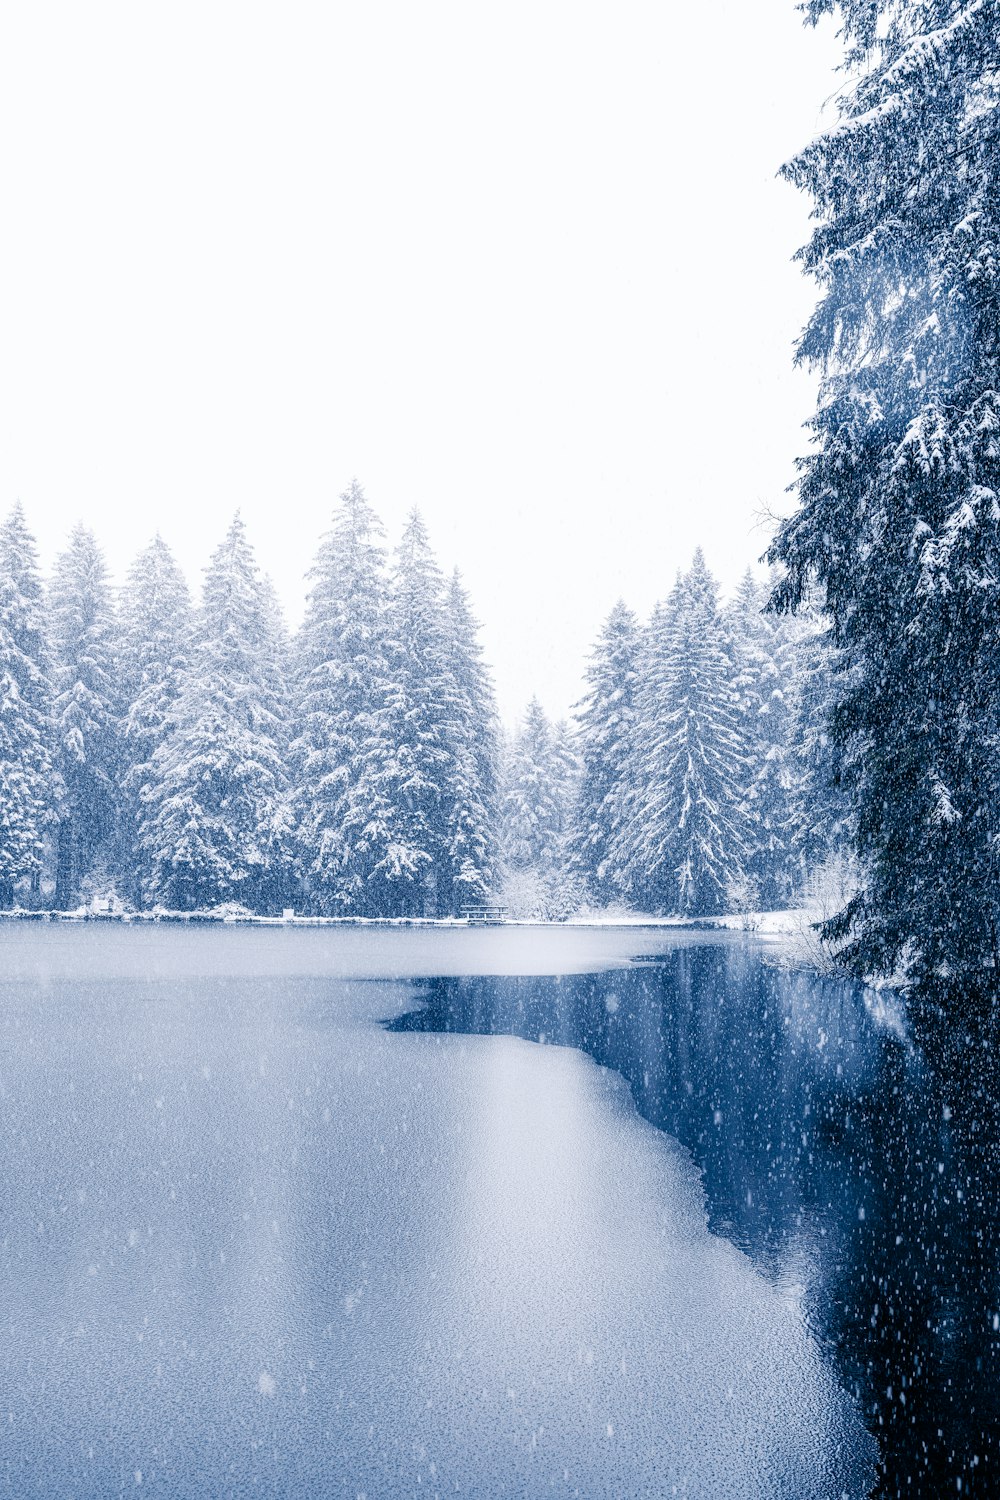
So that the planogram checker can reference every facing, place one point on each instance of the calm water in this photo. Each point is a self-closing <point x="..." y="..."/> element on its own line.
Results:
<point x="858" y="1187"/>
<point x="277" y="1219"/>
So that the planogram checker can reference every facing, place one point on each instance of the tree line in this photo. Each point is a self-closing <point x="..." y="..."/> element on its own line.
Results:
<point x="190" y="757"/>
<point x="168" y="755"/>
<point x="698" y="776"/>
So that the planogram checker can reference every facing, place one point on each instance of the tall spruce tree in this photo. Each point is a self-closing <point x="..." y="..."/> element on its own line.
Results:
<point x="468" y="867"/>
<point x="762" y="648"/>
<point x="216" y="804"/>
<point x="899" y="517"/>
<point x="683" y="839"/>
<point x="340" y="676"/>
<point x="399" y="812"/>
<point x="539" y="788"/>
<point x="87" y="712"/>
<point x="819" y="810"/>
<point x="154" y="636"/>
<point x="606" y="723"/>
<point x="28" y="786"/>
<point x="536" y="801"/>
<point x="566" y="774"/>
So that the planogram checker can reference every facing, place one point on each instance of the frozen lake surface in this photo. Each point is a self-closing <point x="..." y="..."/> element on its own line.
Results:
<point x="254" y="1240"/>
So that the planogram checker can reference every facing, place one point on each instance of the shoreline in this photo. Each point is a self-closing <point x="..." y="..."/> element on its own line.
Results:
<point x="250" y="919"/>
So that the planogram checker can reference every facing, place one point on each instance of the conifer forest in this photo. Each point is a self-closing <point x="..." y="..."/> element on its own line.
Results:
<point x="408" y="1090"/>
<point x="164" y="752"/>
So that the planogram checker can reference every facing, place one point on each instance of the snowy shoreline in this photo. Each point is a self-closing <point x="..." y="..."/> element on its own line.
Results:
<point x="767" y="924"/>
<point x="434" y="923"/>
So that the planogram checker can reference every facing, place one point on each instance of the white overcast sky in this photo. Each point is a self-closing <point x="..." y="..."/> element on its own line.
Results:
<point x="525" y="265"/>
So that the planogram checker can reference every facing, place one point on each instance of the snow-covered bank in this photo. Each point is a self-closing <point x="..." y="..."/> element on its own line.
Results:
<point x="769" y="924"/>
<point x="765" y="924"/>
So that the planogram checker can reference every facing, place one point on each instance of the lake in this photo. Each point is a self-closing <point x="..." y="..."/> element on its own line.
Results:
<point x="368" y="1212"/>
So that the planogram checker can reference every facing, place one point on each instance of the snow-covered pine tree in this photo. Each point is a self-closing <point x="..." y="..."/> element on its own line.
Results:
<point x="339" y="681"/>
<point x="28" y="787"/>
<point x="762" y="647"/>
<point x="539" y="791"/>
<point x="683" y="840"/>
<point x="899" y="517"/>
<point x="819" y="812"/>
<point x="534" y="811"/>
<point x="216" y="806"/>
<point x="624" y="872"/>
<point x="154" y="640"/>
<point x="606" y="720"/>
<point x="399" y="813"/>
<point x="87" y="711"/>
<point x="468" y="866"/>
<point x="568" y="886"/>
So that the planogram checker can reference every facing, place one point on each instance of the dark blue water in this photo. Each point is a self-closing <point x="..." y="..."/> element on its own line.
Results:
<point x="854" y="1180"/>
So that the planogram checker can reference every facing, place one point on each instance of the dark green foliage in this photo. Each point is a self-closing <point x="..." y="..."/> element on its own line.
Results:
<point x="900" y="518"/>
<point x="819" y="812"/>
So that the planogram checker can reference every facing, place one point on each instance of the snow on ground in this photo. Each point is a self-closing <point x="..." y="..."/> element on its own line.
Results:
<point x="768" y="923"/>
<point x="765" y="923"/>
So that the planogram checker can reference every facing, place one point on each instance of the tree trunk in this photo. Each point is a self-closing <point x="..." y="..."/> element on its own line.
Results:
<point x="6" y="893"/>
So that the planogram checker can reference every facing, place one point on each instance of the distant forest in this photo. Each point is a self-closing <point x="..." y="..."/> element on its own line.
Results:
<point x="155" y="753"/>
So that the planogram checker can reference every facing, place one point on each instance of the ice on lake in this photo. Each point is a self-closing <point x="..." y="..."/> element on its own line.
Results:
<point x="254" y="1242"/>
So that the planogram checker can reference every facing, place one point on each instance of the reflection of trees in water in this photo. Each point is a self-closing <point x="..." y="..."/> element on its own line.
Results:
<point x="848" y="1176"/>
<point x="911" y="1298"/>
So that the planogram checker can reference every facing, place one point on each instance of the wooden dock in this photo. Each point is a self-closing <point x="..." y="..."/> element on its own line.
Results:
<point x="487" y="915"/>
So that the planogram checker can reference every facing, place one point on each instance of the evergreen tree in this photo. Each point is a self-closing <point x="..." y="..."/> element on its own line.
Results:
<point x="469" y="857"/>
<point x="762" y="647"/>
<point x="215" y="807"/>
<point x="28" y="788"/>
<point x="537" y="798"/>
<point x="606" y="724"/>
<point x="154" y="637"/>
<point x="899" y="518"/>
<point x="87" y="711"/>
<point x="683" y="839"/>
<point x="399" y="814"/>
<point x="340" y="676"/>
<point x="819" y="813"/>
<point x="566" y="777"/>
